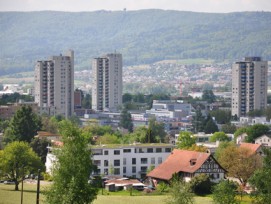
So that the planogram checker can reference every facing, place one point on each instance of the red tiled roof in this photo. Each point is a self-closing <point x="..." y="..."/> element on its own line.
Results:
<point x="46" y="134"/>
<point x="179" y="161"/>
<point x="252" y="147"/>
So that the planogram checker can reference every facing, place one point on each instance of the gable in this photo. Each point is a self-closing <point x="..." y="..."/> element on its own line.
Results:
<point x="211" y="166"/>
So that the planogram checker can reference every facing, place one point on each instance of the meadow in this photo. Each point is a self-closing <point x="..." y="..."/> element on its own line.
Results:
<point x="9" y="196"/>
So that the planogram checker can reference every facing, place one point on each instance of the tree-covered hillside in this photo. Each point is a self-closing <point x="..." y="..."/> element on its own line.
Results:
<point x="143" y="36"/>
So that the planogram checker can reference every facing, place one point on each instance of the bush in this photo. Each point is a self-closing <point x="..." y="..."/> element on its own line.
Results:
<point x="201" y="184"/>
<point x="47" y="177"/>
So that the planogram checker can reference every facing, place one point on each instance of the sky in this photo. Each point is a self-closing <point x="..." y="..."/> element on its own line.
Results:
<point x="212" y="6"/>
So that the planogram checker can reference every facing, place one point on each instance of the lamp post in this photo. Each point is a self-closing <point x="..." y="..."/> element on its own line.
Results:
<point x="22" y="190"/>
<point x="38" y="188"/>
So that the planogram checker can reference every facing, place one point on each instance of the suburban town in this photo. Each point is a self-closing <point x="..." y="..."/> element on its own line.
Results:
<point x="171" y="131"/>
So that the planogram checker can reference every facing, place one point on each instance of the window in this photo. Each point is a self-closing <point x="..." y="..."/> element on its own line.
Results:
<point x="144" y="169"/>
<point x="127" y="150"/>
<point x="144" y="160"/>
<point x="105" y="152"/>
<point x="158" y="149"/>
<point x="150" y="150"/>
<point x="133" y="160"/>
<point x="97" y="162"/>
<point x="168" y="150"/>
<point x="105" y="162"/>
<point x="124" y="169"/>
<point x="124" y="161"/>
<point x="117" y="162"/>
<point x="116" y="171"/>
<point x="159" y="160"/>
<point x="116" y="152"/>
<point x="106" y="171"/>
<point x="153" y="160"/>
<point x="134" y="169"/>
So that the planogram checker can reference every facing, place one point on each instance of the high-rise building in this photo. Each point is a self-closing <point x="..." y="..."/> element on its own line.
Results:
<point x="249" y="85"/>
<point x="107" y="83"/>
<point x="54" y="84"/>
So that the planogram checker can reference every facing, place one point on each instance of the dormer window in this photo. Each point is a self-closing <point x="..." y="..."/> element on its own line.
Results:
<point x="193" y="162"/>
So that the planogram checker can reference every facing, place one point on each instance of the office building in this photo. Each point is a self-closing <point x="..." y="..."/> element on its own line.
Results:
<point x="107" y="83"/>
<point x="249" y="86"/>
<point x="54" y="85"/>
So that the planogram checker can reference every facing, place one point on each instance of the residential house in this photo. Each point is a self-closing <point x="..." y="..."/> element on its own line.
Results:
<point x="263" y="140"/>
<point x="188" y="164"/>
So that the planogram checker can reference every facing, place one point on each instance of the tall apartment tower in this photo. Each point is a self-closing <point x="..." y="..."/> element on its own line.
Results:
<point x="107" y="83"/>
<point x="54" y="84"/>
<point x="249" y="85"/>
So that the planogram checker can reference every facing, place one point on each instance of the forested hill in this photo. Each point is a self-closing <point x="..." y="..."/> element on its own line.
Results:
<point x="143" y="36"/>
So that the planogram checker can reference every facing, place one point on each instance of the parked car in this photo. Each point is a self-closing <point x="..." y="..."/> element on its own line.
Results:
<point x="9" y="182"/>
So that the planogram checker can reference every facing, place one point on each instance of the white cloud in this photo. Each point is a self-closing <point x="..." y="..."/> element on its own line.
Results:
<point x="91" y="5"/>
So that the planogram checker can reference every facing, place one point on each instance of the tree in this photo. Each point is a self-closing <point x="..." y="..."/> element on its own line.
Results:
<point x="201" y="184"/>
<point x="86" y="101"/>
<point x="18" y="160"/>
<point x="126" y="120"/>
<point x="222" y="145"/>
<point x="240" y="163"/>
<point x="127" y="98"/>
<point x="49" y="124"/>
<point x="39" y="146"/>
<point x="23" y="126"/>
<point x="198" y="148"/>
<point x="108" y="139"/>
<point x="210" y="126"/>
<point x="252" y="132"/>
<point x="221" y="116"/>
<point x="255" y="131"/>
<point x="261" y="180"/>
<point x="180" y="192"/>
<point x="219" y="136"/>
<point x="185" y="140"/>
<point x="208" y="96"/>
<point x="228" y="128"/>
<point x="72" y="170"/>
<point x="255" y="113"/>
<point x="225" y="193"/>
<point x="198" y="121"/>
<point x="156" y="131"/>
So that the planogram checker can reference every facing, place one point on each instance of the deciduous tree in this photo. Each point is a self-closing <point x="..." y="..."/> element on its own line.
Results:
<point x="180" y="192"/>
<point x="225" y="193"/>
<point x="219" y="136"/>
<point x="241" y="163"/>
<point x="18" y="160"/>
<point x="261" y="180"/>
<point x="72" y="170"/>
<point x="186" y="140"/>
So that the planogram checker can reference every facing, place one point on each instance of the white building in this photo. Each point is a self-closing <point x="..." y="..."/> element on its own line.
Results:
<point x="54" y="84"/>
<point x="107" y="83"/>
<point x="249" y="85"/>
<point x="264" y="140"/>
<point x="124" y="160"/>
<point x="170" y="109"/>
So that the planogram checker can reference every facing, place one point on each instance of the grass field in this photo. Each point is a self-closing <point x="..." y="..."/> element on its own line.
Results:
<point x="9" y="196"/>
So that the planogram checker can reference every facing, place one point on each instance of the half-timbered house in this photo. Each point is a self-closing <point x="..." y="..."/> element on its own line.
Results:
<point x="188" y="164"/>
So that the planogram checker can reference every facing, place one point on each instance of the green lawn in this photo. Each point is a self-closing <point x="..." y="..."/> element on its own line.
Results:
<point x="9" y="196"/>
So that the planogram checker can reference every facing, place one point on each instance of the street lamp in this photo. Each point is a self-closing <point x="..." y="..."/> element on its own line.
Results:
<point x="38" y="188"/>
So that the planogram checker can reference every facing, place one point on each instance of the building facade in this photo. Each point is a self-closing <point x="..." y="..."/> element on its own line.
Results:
<point x="124" y="160"/>
<point x="107" y="83"/>
<point x="54" y="84"/>
<point x="249" y="85"/>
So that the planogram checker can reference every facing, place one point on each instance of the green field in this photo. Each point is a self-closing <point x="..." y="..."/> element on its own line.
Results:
<point x="9" y="196"/>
